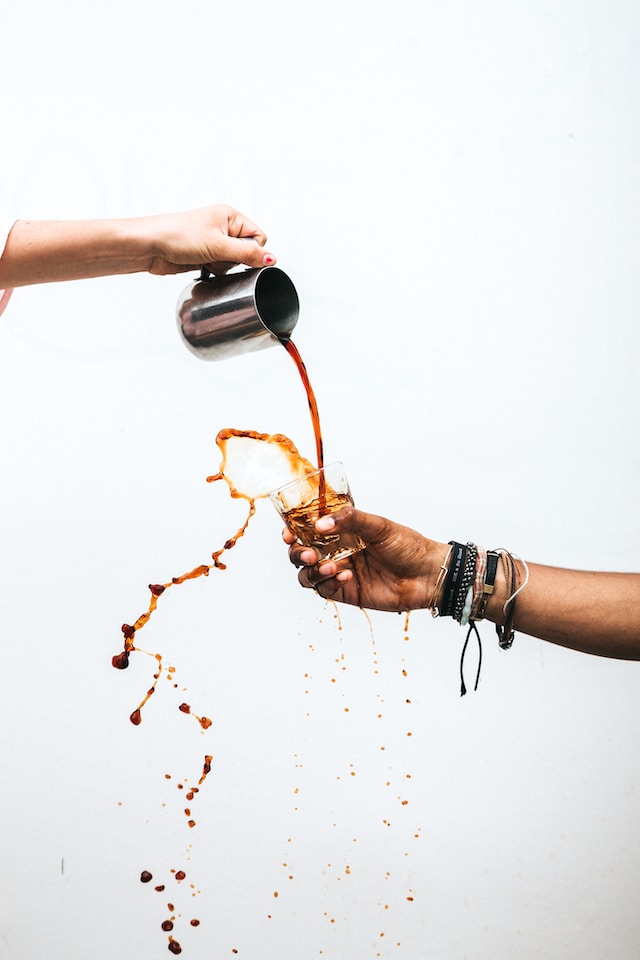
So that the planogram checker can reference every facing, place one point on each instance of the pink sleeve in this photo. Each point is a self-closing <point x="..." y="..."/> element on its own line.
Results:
<point x="5" y="229"/>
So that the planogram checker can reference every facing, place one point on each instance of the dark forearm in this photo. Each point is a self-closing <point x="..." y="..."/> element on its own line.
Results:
<point x="597" y="613"/>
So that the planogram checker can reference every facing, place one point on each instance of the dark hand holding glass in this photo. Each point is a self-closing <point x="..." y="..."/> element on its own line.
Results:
<point x="593" y="612"/>
<point x="396" y="571"/>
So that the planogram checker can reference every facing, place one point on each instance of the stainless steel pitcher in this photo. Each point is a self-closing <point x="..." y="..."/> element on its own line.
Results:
<point x="236" y="313"/>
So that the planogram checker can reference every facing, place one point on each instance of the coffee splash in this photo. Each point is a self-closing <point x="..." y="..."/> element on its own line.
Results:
<point x="252" y="465"/>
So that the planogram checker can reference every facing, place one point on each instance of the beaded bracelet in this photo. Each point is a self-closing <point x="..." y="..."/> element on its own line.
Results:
<point x="466" y="581"/>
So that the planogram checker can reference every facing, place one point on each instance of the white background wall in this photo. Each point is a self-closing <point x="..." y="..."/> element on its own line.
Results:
<point x="453" y="189"/>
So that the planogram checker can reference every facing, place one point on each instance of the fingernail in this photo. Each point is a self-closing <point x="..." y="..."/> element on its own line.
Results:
<point x="325" y="523"/>
<point x="268" y="259"/>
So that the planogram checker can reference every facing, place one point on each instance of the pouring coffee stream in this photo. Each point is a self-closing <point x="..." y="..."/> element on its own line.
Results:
<point x="237" y="313"/>
<point x="294" y="353"/>
<point x="219" y="317"/>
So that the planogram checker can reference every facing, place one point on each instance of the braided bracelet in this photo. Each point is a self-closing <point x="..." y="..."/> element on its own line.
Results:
<point x="507" y="632"/>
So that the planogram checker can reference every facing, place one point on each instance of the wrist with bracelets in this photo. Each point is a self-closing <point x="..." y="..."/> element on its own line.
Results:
<point x="465" y="585"/>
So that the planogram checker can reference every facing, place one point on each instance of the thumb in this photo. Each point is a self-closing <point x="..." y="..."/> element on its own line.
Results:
<point x="247" y="251"/>
<point x="372" y="528"/>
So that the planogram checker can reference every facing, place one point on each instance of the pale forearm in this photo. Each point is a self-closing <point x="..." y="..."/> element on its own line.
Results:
<point x="47" y="251"/>
<point x="217" y="237"/>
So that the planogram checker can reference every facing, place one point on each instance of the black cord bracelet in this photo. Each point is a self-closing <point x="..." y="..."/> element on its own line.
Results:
<point x="452" y="583"/>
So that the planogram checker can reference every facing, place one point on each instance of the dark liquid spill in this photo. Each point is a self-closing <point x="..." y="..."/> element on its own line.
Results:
<point x="120" y="661"/>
